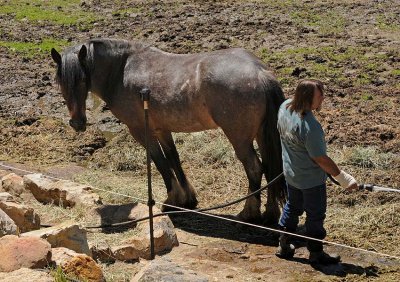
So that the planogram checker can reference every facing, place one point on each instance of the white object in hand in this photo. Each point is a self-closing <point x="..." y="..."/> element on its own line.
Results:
<point x="345" y="180"/>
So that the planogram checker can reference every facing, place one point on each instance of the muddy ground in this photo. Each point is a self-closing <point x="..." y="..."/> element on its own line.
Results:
<point x="352" y="46"/>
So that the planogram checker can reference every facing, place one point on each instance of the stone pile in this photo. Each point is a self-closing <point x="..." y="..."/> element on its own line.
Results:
<point x="26" y="247"/>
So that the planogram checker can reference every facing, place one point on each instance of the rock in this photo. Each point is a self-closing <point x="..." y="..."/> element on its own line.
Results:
<point x="164" y="237"/>
<point x="24" y="217"/>
<point x="125" y="252"/>
<point x="22" y="274"/>
<point x="65" y="193"/>
<point x="6" y="197"/>
<point x="13" y="184"/>
<point x="77" y="265"/>
<point x="162" y="269"/>
<point x="102" y="253"/>
<point x="164" y="234"/>
<point x="34" y="182"/>
<point x="3" y="173"/>
<point x="17" y="252"/>
<point x="7" y="225"/>
<point x="67" y="234"/>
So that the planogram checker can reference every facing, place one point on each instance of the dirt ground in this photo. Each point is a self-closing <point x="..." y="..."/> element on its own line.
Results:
<point x="351" y="45"/>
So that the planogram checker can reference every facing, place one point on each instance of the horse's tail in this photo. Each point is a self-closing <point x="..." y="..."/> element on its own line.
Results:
<point x="270" y="147"/>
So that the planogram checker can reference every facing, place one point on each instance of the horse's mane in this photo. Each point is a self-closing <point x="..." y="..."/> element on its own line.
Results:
<point x="71" y="70"/>
<point x="118" y="44"/>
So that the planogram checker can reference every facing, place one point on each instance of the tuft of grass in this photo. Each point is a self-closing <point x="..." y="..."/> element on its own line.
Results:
<point x="367" y="157"/>
<point x="210" y="147"/>
<point x="367" y="97"/>
<point x="56" y="11"/>
<point x="59" y="275"/>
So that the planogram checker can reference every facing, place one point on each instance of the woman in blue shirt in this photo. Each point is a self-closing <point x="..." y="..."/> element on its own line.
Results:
<point x="305" y="166"/>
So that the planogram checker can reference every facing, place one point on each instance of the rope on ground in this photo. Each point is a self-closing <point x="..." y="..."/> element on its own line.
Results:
<point x="228" y="219"/>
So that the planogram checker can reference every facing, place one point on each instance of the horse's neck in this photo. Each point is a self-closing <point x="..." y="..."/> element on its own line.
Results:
<point x="107" y="71"/>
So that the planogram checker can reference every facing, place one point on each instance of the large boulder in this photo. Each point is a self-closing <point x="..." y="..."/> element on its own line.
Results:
<point x="77" y="265"/>
<point x="162" y="269"/>
<point x="26" y="274"/>
<point x="67" y="234"/>
<point x="24" y="217"/>
<point x="17" y="252"/>
<point x="7" y="225"/>
<point x="64" y="193"/>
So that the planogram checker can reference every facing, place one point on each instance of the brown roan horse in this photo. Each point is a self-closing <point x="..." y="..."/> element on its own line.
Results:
<point x="230" y="89"/>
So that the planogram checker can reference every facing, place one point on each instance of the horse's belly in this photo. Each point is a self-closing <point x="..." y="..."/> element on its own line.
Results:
<point x="188" y="124"/>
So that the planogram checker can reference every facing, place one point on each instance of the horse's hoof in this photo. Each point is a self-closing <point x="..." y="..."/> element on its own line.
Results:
<point x="165" y="208"/>
<point x="243" y="216"/>
<point x="269" y="220"/>
<point x="191" y="205"/>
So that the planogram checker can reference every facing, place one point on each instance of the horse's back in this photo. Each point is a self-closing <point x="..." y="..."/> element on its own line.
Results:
<point x="193" y="92"/>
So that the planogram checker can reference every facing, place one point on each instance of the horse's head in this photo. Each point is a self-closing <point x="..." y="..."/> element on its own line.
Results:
<point x="74" y="79"/>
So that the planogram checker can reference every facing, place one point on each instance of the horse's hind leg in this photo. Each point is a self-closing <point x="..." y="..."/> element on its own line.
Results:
<point x="170" y="152"/>
<point x="245" y="152"/>
<point x="272" y="211"/>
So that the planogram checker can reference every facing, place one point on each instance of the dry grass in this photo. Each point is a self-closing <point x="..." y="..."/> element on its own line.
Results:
<point x="361" y="219"/>
<point x="45" y="141"/>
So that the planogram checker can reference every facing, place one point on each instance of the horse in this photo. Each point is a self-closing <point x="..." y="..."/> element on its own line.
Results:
<point x="229" y="89"/>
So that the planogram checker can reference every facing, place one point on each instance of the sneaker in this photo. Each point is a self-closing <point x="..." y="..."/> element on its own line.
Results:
<point x="285" y="249"/>
<point x="323" y="258"/>
<point x="285" y="252"/>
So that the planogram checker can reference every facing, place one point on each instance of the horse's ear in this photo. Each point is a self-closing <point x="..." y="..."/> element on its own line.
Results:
<point x="82" y="54"/>
<point x="56" y="56"/>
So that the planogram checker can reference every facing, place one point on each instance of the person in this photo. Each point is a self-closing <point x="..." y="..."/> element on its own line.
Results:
<point x="305" y="167"/>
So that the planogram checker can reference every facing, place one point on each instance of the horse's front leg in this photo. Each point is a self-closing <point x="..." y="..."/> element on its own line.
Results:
<point x="169" y="149"/>
<point x="176" y="194"/>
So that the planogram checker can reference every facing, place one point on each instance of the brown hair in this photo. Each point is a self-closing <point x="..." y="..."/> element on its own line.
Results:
<point x="304" y="94"/>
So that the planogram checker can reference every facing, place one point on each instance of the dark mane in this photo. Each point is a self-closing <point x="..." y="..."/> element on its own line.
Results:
<point x="71" y="70"/>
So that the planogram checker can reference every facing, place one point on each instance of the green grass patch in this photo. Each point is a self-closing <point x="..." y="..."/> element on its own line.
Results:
<point x="56" y="11"/>
<point x="59" y="275"/>
<point x="395" y="72"/>
<point x="327" y="62"/>
<point x="327" y="23"/>
<point x="33" y="49"/>
<point x="388" y="22"/>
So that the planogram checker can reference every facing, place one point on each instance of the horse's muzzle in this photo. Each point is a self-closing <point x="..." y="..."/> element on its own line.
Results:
<point x="78" y="125"/>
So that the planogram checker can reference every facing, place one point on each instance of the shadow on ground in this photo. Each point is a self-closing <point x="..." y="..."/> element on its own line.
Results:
<point x="219" y="228"/>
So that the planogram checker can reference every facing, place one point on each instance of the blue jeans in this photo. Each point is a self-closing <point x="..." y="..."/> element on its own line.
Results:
<point x="313" y="202"/>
